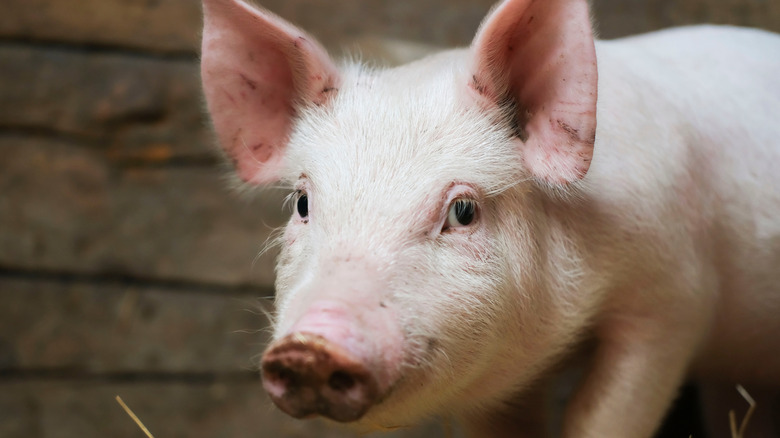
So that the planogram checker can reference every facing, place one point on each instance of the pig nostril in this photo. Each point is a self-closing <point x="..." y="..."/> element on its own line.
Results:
<point x="305" y="375"/>
<point x="281" y="377"/>
<point x="286" y="377"/>
<point x="341" y="381"/>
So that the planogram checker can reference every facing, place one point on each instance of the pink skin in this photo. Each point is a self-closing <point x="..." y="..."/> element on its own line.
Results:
<point x="342" y="329"/>
<point x="541" y="55"/>
<point x="347" y="307"/>
<point x="256" y="66"/>
<point x="342" y="325"/>
<point x="339" y="316"/>
<point x="386" y="315"/>
<point x="365" y="327"/>
<point x="332" y="365"/>
<point x="345" y="303"/>
<point x="306" y="375"/>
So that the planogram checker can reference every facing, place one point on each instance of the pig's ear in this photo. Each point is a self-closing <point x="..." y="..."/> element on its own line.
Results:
<point x="257" y="70"/>
<point x="538" y="57"/>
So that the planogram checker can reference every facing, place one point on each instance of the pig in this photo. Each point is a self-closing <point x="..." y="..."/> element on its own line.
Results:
<point x="467" y="225"/>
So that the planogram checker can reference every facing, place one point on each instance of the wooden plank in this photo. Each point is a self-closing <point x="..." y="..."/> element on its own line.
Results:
<point x="133" y="107"/>
<point x="616" y="18"/>
<point x="174" y="25"/>
<point x="160" y="25"/>
<point x="168" y="410"/>
<point x="68" y="208"/>
<point x="80" y="328"/>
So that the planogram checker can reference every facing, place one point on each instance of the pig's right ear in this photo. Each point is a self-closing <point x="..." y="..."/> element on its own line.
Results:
<point x="257" y="70"/>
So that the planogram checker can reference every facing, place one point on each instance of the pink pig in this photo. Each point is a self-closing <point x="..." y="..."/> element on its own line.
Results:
<point x="466" y="225"/>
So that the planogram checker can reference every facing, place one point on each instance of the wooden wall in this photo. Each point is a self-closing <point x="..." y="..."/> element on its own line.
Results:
<point x="127" y="266"/>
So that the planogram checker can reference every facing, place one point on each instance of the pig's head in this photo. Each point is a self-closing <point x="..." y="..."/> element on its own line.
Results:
<point x="419" y="271"/>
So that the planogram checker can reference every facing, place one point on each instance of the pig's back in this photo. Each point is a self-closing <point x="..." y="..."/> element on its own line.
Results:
<point x="691" y="120"/>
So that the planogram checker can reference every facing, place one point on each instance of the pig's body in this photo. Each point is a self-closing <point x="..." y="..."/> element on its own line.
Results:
<point x="690" y="120"/>
<point x="665" y="253"/>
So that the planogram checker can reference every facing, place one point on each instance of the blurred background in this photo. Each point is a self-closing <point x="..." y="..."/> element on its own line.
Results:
<point x="127" y="266"/>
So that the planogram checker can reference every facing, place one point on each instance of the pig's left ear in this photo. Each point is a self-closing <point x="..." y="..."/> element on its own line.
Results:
<point x="539" y="57"/>
<point x="257" y="71"/>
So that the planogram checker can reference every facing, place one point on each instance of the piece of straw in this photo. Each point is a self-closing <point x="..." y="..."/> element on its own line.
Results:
<point x="133" y="416"/>
<point x="740" y="433"/>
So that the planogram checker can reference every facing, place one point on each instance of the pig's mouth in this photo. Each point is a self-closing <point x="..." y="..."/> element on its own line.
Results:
<point x="307" y="375"/>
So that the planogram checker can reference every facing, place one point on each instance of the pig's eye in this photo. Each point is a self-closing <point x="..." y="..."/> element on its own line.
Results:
<point x="462" y="213"/>
<point x="302" y="204"/>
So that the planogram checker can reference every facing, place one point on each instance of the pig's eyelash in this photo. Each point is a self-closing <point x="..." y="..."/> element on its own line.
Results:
<point x="291" y="202"/>
<point x="289" y="199"/>
<point x="302" y="205"/>
<point x="461" y="213"/>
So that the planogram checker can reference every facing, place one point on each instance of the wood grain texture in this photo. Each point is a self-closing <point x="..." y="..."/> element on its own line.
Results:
<point x="66" y="207"/>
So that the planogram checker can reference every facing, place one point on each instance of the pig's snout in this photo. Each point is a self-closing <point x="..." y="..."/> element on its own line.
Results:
<point x="307" y="375"/>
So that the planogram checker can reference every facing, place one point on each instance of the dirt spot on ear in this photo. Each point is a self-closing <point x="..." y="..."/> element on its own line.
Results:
<point x="230" y="97"/>
<point x="249" y="83"/>
<point x="566" y="127"/>
<point x="324" y="94"/>
<point x="478" y="86"/>
<point x="262" y="152"/>
<point x="573" y="133"/>
<point x="592" y="137"/>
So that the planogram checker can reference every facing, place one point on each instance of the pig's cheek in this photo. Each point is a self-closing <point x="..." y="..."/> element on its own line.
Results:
<point x="476" y="247"/>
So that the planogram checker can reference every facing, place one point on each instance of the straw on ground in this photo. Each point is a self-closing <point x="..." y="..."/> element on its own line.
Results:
<point x="133" y="416"/>
<point x="740" y="433"/>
